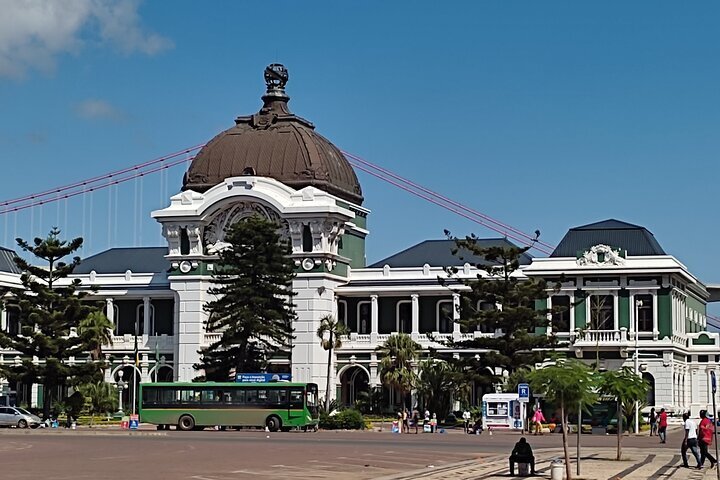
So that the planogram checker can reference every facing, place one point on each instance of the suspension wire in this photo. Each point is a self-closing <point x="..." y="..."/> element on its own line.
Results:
<point x="140" y="210"/>
<point x="135" y="206"/>
<point x="117" y="202"/>
<point x="15" y="236"/>
<point x="5" y="233"/>
<point x="445" y="199"/>
<point x="65" y="224"/>
<point x="32" y="222"/>
<point x="452" y="209"/>
<point x="91" y="198"/>
<point x="109" y="216"/>
<point x="84" y="201"/>
<point x="99" y="178"/>
<point x="57" y="214"/>
<point x="40" y="220"/>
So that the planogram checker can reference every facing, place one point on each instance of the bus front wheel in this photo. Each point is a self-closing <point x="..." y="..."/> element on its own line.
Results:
<point x="186" y="423"/>
<point x="273" y="423"/>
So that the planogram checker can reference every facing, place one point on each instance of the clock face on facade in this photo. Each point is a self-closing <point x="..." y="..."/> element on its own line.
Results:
<point x="308" y="264"/>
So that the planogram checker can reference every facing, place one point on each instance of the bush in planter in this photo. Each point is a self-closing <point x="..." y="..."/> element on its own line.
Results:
<point x="349" y="419"/>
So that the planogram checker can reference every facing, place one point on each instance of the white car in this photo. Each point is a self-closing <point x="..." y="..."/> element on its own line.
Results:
<point x="18" y="417"/>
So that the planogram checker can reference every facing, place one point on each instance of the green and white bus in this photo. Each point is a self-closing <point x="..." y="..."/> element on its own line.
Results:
<point x="191" y="406"/>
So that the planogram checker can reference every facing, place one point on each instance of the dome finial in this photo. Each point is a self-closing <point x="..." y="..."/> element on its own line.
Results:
<point x="276" y="76"/>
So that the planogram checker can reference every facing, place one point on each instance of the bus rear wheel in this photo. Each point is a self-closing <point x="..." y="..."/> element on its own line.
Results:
<point x="273" y="423"/>
<point x="186" y="423"/>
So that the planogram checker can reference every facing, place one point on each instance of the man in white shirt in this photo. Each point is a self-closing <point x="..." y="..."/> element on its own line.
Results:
<point x="466" y="419"/>
<point x="690" y="441"/>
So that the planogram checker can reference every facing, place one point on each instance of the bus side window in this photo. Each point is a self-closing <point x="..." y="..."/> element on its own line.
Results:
<point x="296" y="398"/>
<point x="237" y="397"/>
<point x="251" y="396"/>
<point x="262" y="397"/>
<point x="187" y="396"/>
<point x="277" y="397"/>
<point x="209" y="396"/>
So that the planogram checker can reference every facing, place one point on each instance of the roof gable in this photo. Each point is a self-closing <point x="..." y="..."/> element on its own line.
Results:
<point x="438" y="253"/>
<point x="7" y="261"/>
<point x="636" y="240"/>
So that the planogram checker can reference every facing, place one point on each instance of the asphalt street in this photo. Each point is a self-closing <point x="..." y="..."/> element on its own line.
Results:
<point x="215" y="455"/>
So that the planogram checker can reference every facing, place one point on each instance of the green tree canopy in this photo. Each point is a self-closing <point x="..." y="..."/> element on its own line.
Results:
<point x="100" y="397"/>
<point x="500" y="302"/>
<point x="253" y="309"/>
<point x="571" y="384"/>
<point x="50" y="310"/>
<point x="626" y="388"/>
<point x="439" y="384"/>
<point x="96" y="329"/>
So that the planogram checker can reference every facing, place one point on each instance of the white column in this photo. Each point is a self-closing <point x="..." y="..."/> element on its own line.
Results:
<point x="3" y="320"/>
<point x="373" y="318"/>
<point x="146" y="316"/>
<point x="456" y="316"/>
<point x="415" y="315"/>
<point x="110" y="312"/>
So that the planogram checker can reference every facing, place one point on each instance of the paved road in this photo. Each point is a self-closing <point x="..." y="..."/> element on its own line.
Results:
<point x="214" y="455"/>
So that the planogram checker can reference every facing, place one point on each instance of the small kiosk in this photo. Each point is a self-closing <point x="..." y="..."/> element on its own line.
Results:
<point x="502" y="411"/>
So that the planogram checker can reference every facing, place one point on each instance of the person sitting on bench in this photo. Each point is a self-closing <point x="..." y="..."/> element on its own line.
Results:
<point x="522" y="453"/>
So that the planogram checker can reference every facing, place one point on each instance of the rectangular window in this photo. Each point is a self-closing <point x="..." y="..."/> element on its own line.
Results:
<point x="251" y="397"/>
<point x="486" y="322"/>
<point x="296" y="398"/>
<point x="602" y="312"/>
<point x="560" y="313"/>
<point x="277" y="397"/>
<point x="497" y="409"/>
<point x="342" y="312"/>
<point x="237" y="396"/>
<point x="644" y="304"/>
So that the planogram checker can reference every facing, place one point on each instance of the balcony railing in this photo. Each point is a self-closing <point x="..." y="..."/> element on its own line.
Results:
<point x="428" y="339"/>
<point x="600" y="337"/>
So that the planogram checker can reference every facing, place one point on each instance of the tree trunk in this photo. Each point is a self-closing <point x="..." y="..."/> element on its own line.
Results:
<point x="619" y="431"/>
<point x="565" y="425"/>
<point x="327" y="385"/>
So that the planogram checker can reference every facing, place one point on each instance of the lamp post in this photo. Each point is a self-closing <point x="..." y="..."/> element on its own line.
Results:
<point x="120" y="386"/>
<point x="638" y="304"/>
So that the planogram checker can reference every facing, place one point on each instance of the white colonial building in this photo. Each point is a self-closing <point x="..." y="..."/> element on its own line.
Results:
<point x="623" y="293"/>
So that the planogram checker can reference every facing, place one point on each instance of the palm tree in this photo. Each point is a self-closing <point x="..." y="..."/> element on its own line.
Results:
<point x="101" y="397"/>
<point x="399" y="352"/>
<point x="330" y="333"/>
<point x="97" y="329"/>
<point x="437" y="384"/>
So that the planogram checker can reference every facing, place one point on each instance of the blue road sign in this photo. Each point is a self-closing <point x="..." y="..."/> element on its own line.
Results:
<point x="524" y="392"/>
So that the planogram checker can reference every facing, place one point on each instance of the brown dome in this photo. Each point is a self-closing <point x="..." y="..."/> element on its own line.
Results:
<point x="274" y="143"/>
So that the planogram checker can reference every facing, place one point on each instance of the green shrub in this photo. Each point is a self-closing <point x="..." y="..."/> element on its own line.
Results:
<point x="349" y="419"/>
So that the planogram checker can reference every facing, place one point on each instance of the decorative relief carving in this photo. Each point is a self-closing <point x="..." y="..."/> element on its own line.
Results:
<point x="601" y="255"/>
<point x="214" y="234"/>
<point x="171" y="233"/>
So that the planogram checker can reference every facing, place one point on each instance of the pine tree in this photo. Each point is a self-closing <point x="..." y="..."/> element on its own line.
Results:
<point x="502" y="304"/>
<point x="254" y="309"/>
<point x="49" y="309"/>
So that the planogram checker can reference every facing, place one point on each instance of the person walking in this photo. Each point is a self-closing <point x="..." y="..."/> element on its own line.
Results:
<point x="433" y="423"/>
<point x="653" y="422"/>
<point x="405" y="421"/>
<point x="690" y="441"/>
<point x="466" y="420"/>
<point x="416" y="419"/>
<point x="662" y="425"/>
<point x="538" y="419"/>
<point x="706" y="432"/>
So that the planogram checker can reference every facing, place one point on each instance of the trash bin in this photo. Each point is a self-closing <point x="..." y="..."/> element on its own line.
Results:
<point x="557" y="470"/>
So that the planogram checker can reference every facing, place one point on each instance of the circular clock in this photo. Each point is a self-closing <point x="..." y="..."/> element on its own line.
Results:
<point x="308" y="264"/>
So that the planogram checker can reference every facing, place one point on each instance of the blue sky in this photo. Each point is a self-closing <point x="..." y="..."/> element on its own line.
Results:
<point x="545" y="115"/>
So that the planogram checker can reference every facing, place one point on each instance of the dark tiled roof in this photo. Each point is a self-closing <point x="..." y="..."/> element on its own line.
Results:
<point x="119" y="260"/>
<point x="635" y="239"/>
<point x="7" y="261"/>
<point x="438" y="253"/>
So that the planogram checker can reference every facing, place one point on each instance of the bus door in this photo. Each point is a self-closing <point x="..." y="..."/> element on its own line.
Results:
<point x="296" y="403"/>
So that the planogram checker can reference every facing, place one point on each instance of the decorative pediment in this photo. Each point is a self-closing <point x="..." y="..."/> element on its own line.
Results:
<point x="602" y="256"/>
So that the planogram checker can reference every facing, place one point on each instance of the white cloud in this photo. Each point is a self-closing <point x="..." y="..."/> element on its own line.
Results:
<point x="33" y="33"/>
<point x="93" y="108"/>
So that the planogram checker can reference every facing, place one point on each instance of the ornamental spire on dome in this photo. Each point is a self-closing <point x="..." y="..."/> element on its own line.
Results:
<point x="275" y="98"/>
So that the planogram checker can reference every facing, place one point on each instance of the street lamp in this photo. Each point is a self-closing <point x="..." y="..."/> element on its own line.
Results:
<point x="638" y="304"/>
<point x="120" y="386"/>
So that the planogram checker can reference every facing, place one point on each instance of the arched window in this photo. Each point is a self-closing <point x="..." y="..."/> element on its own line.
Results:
<point x="444" y="316"/>
<point x="342" y="312"/>
<point x="403" y="316"/>
<point x="307" y="240"/>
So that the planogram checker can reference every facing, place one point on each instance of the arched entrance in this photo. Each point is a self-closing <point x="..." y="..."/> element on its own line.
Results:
<point x="651" y="391"/>
<point x="163" y="373"/>
<point x="354" y="385"/>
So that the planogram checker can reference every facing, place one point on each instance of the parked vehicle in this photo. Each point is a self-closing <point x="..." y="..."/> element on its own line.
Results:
<point x="18" y="417"/>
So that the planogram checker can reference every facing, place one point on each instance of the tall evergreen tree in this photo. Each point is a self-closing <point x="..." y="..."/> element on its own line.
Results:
<point x="253" y="309"/>
<point x="49" y="309"/>
<point x="501" y="303"/>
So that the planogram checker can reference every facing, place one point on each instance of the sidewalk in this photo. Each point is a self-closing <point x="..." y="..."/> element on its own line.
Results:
<point x="596" y="464"/>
